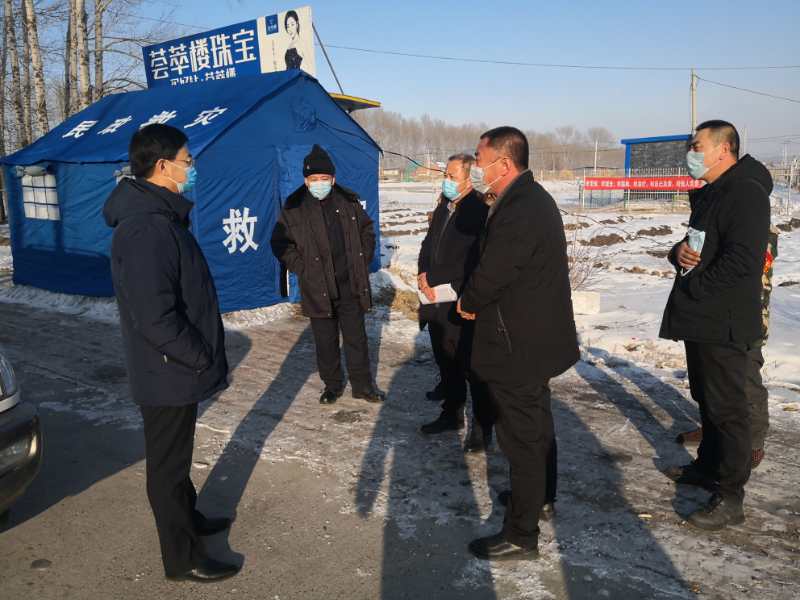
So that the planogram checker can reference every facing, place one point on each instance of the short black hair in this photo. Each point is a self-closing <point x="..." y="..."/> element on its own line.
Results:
<point x="722" y="131"/>
<point x="511" y="142"/>
<point x="152" y="143"/>
<point x="293" y="14"/>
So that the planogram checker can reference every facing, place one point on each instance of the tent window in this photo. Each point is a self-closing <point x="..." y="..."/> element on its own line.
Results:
<point x="40" y="197"/>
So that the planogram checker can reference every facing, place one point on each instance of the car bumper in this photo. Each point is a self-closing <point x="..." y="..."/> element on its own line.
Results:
<point x="19" y="429"/>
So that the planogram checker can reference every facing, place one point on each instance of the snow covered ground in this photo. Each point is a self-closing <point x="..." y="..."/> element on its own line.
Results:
<point x="617" y="534"/>
<point x="632" y="277"/>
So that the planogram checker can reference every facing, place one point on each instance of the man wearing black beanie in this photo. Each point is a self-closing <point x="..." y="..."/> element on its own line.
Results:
<point x="325" y="237"/>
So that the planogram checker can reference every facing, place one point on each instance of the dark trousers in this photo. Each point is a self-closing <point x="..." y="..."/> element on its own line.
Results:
<point x="757" y="396"/>
<point x="717" y="379"/>
<point x="525" y="433"/>
<point x="168" y="442"/>
<point x="348" y="317"/>
<point x="451" y="341"/>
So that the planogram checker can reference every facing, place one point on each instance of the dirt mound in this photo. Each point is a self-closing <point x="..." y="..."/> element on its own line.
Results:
<point x="663" y="230"/>
<point x="604" y="240"/>
<point x="658" y="253"/>
<point x="789" y="226"/>
<point x="575" y="226"/>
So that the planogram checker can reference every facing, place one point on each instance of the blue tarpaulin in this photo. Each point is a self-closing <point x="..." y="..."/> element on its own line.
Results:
<point x="248" y="136"/>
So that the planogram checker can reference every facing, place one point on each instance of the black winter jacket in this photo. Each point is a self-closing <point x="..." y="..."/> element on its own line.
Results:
<point x="451" y="248"/>
<point x="520" y="290"/>
<point x="300" y="242"/>
<point x="171" y="327"/>
<point x="720" y="300"/>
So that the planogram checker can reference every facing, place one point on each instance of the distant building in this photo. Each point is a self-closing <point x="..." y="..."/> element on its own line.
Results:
<point x="664" y="152"/>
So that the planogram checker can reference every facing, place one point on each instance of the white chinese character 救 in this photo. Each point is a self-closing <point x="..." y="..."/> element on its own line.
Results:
<point x="221" y="50"/>
<point x="198" y="54"/>
<point x="206" y="116"/>
<point x="115" y="125"/>
<point x="240" y="227"/>
<point x="178" y="58"/>
<point x="160" y="118"/>
<point x="80" y="129"/>
<point x="244" y="41"/>
<point x="158" y="64"/>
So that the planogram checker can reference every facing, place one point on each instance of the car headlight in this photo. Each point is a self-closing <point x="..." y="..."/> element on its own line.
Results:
<point x="13" y="455"/>
<point x="8" y="381"/>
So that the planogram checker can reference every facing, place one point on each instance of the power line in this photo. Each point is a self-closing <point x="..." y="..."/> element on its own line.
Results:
<point x="559" y="65"/>
<point x="741" y="89"/>
<point x="503" y="62"/>
<point x="776" y="137"/>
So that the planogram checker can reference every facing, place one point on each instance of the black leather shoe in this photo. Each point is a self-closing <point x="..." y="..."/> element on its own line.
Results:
<point x="441" y="424"/>
<point x="210" y="526"/>
<point x="496" y="547"/>
<point x="207" y="570"/>
<point x="478" y="439"/>
<point x="436" y="394"/>
<point x="718" y="513"/>
<point x="547" y="513"/>
<point x="691" y="475"/>
<point x="372" y="395"/>
<point x="329" y="396"/>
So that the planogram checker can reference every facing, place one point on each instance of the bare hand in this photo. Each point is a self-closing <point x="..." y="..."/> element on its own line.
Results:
<point x="686" y="257"/>
<point x="464" y="315"/>
<point x="422" y="284"/>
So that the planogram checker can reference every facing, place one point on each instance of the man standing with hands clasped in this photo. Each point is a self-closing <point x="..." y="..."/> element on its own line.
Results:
<point x="715" y="308"/>
<point x="519" y="296"/>
<point x="325" y="237"/>
<point x="448" y="255"/>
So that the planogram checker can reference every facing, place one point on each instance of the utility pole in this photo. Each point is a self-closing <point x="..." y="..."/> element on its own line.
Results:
<point x="743" y="149"/>
<point x="594" y="172"/>
<point x="693" y="89"/>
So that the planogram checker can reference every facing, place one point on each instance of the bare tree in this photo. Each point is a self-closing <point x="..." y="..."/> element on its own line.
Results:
<point x="70" y="70"/>
<point x="82" y="46"/>
<point x="3" y="65"/>
<point x="32" y="37"/>
<point x="16" y="81"/>
<point x="26" y="77"/>
<point x="100" y="7"/>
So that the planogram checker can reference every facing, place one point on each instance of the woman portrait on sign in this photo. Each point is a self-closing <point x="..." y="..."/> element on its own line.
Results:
<point x="291" y="24"/>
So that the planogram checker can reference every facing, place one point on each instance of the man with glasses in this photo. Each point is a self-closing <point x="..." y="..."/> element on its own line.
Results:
<point x="519" y="296"/>
<point x="173" y="338"/>
<point x="447" y="257"/>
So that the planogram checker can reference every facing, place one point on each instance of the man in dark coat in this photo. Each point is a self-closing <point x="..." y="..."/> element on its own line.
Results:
<point x="715" y="308"/>
<point x="520" y="298"/>
<point x="757" y="392"/>
<point x="173" y="337"/>
<point x="325" y="237"/>
<point x="448" y="255"/>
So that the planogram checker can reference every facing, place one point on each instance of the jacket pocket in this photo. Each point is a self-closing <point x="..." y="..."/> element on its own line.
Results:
<point x="182" y="365"/>
<point x="503" y="330"/>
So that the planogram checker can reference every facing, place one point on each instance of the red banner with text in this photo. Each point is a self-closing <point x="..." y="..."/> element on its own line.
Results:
<point x="643" y="184"/>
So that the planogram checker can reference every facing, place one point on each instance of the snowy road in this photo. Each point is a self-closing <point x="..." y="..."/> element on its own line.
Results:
<point x="351" y="502"/>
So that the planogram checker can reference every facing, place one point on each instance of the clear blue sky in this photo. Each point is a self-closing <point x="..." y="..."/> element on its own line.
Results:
<point x="631" y="33"/>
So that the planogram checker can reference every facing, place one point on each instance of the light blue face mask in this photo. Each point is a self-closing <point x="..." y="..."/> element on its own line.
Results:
<point x="191" y="179"/>
<point x="450" y="189"/>
<point x="695" y="163"/>
<point x="320" y="189"/>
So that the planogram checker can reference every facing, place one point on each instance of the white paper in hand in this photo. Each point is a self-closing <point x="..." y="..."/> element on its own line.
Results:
<point x="442" y="293"/>
<point x="695" y="238"/>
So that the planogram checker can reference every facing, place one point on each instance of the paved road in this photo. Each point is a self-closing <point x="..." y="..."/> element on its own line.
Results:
<point x="349" y="501"/>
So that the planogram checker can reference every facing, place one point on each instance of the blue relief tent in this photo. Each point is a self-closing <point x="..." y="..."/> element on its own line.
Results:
<point x="248" y="135"/>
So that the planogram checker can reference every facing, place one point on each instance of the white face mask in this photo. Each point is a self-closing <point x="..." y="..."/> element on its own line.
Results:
<point x="477" y="174"/>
